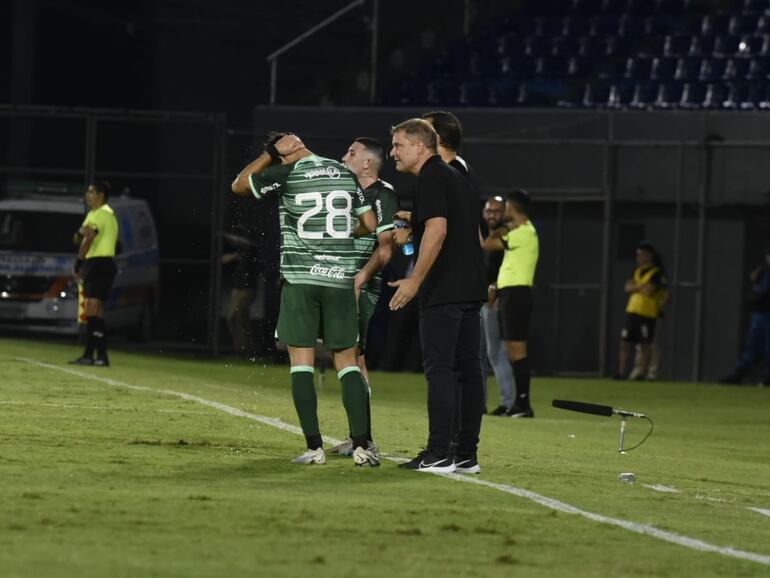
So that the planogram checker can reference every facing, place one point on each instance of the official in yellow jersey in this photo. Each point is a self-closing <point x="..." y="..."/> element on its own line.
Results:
<point x="95" y="265"/>
<point x="646" y="290"/>
<point x="518" y="240"/>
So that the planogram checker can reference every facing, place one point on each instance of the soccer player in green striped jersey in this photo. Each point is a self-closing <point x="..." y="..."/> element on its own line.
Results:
<point x="365" y="158"/>
<point x="321" y="208"/>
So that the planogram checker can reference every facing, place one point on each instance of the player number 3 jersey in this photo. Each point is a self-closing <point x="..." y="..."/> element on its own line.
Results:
<point x="320" y="201"/>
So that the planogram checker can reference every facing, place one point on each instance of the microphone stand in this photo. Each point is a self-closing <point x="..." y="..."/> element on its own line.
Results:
<point x="622" y="434"/>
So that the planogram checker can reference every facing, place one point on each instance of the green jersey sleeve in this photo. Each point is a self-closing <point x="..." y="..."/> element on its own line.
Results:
<point x="360" y="204"/>
<point x="385" y="206"/>
<point x="273" y="178"/>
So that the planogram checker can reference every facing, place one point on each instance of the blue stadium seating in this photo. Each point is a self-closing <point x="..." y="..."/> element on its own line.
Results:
<point x="663" y="54"/>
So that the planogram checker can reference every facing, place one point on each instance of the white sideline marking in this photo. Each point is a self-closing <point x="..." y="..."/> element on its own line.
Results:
<point x="762" y="511"/>
<point x="662" y="488"/>
<point x="644" y="529"/>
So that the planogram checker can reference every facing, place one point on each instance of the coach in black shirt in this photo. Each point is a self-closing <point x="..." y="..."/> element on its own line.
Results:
<point x="449" y="276"/>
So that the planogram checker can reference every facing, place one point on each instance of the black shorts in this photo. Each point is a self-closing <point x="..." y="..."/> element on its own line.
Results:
<point x="98" y="275"/>
<point x="638" y="329"/>
<point x="515" y="311"/>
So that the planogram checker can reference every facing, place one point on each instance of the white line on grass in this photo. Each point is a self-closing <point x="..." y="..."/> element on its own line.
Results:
<point x="762" y="511"/>
<point x="644" y="529"/>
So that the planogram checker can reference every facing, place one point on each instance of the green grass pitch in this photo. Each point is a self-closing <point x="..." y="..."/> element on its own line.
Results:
<point x="120" y="476"/>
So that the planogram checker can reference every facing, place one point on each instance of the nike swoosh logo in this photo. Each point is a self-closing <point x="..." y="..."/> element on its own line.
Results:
<point x="424" y="465"/>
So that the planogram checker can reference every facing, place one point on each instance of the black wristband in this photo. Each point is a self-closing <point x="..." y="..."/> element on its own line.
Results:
<point x="275" y="156"/>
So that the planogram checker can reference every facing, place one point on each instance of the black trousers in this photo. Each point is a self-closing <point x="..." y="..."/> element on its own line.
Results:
<point x="450" y="338"/>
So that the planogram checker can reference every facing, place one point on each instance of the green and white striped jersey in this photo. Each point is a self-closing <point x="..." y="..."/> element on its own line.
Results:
<point x="320" y="200"/>
<point x="382" y="198"/>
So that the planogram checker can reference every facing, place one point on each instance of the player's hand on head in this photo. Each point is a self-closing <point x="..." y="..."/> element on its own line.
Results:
<point x="288" y="144"/>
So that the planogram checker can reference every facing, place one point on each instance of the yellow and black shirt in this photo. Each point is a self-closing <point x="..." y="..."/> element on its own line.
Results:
<point x="648" y="305"/>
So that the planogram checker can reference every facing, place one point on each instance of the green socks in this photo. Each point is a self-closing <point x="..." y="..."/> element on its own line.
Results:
<point x="355" y="398"/>
<point x="306" y="403"/>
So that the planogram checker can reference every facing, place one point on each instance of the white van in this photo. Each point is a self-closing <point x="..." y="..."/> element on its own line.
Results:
<point x="37" y="253"/>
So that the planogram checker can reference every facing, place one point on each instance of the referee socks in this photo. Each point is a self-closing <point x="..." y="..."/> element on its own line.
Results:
<point x="521" y="375"/>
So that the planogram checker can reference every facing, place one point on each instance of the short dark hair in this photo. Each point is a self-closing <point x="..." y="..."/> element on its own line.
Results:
<point x="420" y="129"/>
<point x="373" y="147"/>
<point x="447" y="125"/>
<point x="520" y="200"/>
<point x="102" y="187"/>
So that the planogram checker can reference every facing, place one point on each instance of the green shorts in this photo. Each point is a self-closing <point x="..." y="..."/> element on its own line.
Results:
<point x="308" y="311"/>
<point x="366" y="305"/>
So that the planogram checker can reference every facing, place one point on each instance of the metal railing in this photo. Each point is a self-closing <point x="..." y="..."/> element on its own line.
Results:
<point x="272" y="58"/>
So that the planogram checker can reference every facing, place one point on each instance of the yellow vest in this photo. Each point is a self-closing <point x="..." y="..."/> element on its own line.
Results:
<point x="522" y="250"/>
<point x="641" y="304"/>
<point x="106" y="225"/>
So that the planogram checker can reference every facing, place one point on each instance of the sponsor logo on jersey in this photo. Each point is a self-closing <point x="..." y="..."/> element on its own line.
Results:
<point x="268" y="188"/>
<point x="331" y="172"/>
<point x="326" y="257"/>
<point x="378" y="207"/>
<point x="331" y="272"/>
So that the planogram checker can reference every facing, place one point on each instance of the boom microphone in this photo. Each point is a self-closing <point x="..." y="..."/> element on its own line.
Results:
<point x="582" y="407"/>
<point x="592" y="408"/>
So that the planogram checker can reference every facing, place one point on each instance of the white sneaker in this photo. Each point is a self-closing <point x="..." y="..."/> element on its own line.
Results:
<point x="311" y="457"/>
<point x="344" y="449"/>
<point x="366" y="458"/>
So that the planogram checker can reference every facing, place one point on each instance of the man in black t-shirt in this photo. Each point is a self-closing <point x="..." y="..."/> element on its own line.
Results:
<point x="449" y="277"/>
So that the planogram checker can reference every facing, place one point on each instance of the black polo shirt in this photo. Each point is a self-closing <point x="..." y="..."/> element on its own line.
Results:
<point x="457" y="276"/>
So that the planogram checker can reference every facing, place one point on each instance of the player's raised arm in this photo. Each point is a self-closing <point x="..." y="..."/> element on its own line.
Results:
<point x="280" y="149"/>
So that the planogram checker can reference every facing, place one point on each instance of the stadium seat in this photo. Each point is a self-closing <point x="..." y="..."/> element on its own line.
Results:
<point x="715" y="24"/>
<point x="676" y="45"/>
<point x="595" y="94"/>
<point x="549" y="26"/>
<point x="672" y="6"/>
<point x="638" y="68"/>
<point x="736" y="68"/>
<point x="588" y="6"/>
<point x="726" y="45"/>
<point x="503" y="92"/>
<point x="758" y="69"/>
<point x="593" y="47"/>
<point x="668" y="96"/>
<point x="756" y="45"/>
<point x="474" y="93"/>
<point x="518" y="67"/>
<point x="741" y="24"/>
<point x="712" y="69"/>
<point x="551" y="66"/>
<point x="511" y="45"/>
<point x="692" y="96"/>
<point x="715" y="96"/>
<point x="535" y="46"/>
<point x="640" y="7"/>
<point x="630" y="26"/>
<point x="687" y="69"/>
<point x="604" y="25"/>
<point x="565" y="46"/>
<point x="644" y="95"/>
<point x="663" y="68"/>
<point x="579" y="67"/>
<point x="619" y="95"/>
<point x="737" y="94"/>
<point x="764" y="99"/>
<point x="754" y="96"/>
<point x="702" y="45"/>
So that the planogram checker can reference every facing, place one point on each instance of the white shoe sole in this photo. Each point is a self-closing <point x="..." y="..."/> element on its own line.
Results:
<point x="472" y="470"/>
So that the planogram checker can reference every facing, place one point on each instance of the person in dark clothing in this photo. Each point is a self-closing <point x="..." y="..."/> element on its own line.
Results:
<point x="494" y="211"/>
<point x="449" y="277"/>
<point x="245" y="259"/>
<point x="758" y="336"/>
